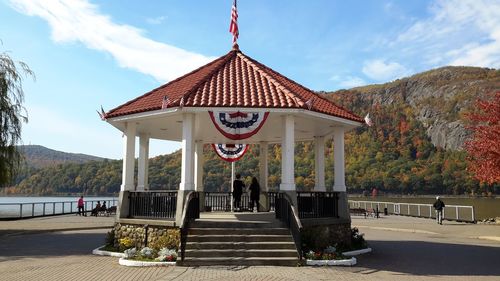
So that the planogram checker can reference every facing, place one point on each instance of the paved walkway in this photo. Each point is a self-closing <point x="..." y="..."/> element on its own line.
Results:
<point x="404" y="248"/>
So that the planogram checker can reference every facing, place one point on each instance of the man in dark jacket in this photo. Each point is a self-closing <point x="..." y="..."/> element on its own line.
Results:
<point x="238" y="186"/>
<point x="439" y="206"/>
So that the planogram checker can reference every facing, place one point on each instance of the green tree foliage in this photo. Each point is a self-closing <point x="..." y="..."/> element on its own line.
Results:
<point x="12" y="114"/>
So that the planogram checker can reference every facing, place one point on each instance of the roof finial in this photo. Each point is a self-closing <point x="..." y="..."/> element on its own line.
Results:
<point x="233" y="26"/>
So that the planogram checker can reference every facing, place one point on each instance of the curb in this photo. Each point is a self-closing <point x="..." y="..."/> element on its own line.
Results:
<point x="349" y="262"/>
<point x="125" y="262"/>
<point x="39" y="231"/>
<point x="357" y="252"/>
<point x="98" y="252"/>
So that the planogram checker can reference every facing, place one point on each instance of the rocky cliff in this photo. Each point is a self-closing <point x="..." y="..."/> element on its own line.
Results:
<point x="439" y="99"/>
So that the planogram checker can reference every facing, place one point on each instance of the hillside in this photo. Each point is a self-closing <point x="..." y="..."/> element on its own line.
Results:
<point x="414" y="146"/>
<point x="37" y="156"/>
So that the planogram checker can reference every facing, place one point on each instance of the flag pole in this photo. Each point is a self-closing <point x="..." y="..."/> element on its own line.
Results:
<point x="231" y="184"/>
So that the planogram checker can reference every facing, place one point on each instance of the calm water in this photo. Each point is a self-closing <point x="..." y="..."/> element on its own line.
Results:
<point x="483" y="207"/>
<point x="10" y="206"/>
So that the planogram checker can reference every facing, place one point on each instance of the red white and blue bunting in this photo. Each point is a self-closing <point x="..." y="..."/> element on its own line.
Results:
<point x="230" y="152"/>
<point x="238" y="125"/>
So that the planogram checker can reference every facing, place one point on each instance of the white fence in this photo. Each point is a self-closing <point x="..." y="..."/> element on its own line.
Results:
<point x="450" y="212"/>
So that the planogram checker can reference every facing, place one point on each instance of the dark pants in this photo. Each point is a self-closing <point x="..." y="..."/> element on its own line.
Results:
<point x="252" y="201"/>
<point x="81" y="211"/>
<point x="237" y="202"/>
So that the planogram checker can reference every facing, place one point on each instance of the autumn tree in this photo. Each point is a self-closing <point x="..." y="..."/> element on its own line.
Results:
<point x="484" y="146"/>
<point x="12" y="114"/>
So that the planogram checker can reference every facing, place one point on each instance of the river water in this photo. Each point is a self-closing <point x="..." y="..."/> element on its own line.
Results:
<point x="483" y="207"/>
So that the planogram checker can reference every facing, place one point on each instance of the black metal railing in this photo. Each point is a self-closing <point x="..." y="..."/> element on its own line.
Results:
<point x="286" y="213"/>
<point x="190" y="212"/>
<point x="317" y="204"/>
<point x="153" y="204"/>
<point x="271" y="196"/>
<point x="221" y="202"/>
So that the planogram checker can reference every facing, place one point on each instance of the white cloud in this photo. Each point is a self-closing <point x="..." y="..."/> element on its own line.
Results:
<point x="156" y="21"/>
<point x="80" y="21"/>
<point x="381" y="71"/>
<point x="459" y="32"/>
<point x="347" y="82"/>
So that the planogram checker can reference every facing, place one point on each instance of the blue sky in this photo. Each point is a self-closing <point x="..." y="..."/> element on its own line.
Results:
<point x="91" y="53"/>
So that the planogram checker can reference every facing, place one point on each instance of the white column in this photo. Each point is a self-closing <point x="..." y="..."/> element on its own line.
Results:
<point x="143" y="163"/>
<point x="128" y="157"/>
<point x="187" y="169"/>
<point x="198" y="165"/>
<point x="287" y="155"/>
<point x="338" y="154"/>
<point x="263" y="168"/>
<point x="319" y="163"/>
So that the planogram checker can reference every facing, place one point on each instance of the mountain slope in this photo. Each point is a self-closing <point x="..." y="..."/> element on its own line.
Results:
<point x="37" y="156"/>
<point x="414" y="146"/>
<point x="438" y="99"/>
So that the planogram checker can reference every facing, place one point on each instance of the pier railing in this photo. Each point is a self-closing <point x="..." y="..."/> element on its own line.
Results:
<point x="26" y="210"/>
<point x="451" y="212"/>
<point x="153" y="204"/>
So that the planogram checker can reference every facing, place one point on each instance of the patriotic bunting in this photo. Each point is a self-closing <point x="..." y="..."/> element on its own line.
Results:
<point x="230" y="152"/>
<point x="238" y="125"/>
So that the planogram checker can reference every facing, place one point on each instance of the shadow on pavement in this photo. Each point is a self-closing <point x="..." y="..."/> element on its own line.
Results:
<point x="50" y="244"/>
<point x="429" y="258"/>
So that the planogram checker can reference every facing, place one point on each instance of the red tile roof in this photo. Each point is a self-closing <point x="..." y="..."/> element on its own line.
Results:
<point x="233" y="80"/>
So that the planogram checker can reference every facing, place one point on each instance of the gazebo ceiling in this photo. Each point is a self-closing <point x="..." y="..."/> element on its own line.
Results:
<point x="230" y="83"/>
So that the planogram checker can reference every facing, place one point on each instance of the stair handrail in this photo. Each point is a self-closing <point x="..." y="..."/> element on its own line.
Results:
<point x="190" y="212"/>
<point x="291" y="218"/>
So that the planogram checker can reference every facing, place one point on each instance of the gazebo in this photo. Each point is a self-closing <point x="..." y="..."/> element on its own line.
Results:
<point x="194" y="109"/>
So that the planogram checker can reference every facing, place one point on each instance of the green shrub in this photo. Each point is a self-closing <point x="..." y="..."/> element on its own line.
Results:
<point x="110" y="238"/>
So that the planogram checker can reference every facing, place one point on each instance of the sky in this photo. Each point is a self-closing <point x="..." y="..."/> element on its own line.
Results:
<point x="87" y="53"/>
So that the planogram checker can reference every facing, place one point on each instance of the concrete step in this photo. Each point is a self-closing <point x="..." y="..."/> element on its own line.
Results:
<point x="240" y="261"/>
<point x="241" y="245"/>
<point x="235" y="224"/>
<point x="236" y="253"/>
<point x="238" y="231"/>
<point x="239" y="238"/>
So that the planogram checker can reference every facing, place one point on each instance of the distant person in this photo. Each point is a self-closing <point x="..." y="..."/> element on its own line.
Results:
<point x="96" y="210"/>
<point x="254" y="193"/>
<point x="81" y="207"/>
<point x="439" y="206"/>
<point x="238" y="186"/>
<point x="103" y="207"/>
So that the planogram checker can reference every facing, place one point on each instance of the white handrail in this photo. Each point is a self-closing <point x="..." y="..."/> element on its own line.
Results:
<point x="417" y="207"/>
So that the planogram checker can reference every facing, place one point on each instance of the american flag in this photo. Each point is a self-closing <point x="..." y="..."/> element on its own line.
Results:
<point x="368" y="120"/>
<point x="165" y="103"/>
<point x="233" y="27"/>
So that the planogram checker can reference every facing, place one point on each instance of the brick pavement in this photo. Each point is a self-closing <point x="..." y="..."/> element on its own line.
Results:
<point x="399" y="254"/>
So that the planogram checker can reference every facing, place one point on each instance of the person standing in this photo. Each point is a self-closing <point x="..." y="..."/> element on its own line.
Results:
<point x="254" y="193"/>
<point x="81" y="207"/>
<point x="238" y="186"/>
<point x="439" y="206"/>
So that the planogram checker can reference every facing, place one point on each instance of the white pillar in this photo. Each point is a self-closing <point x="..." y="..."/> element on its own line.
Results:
<point x="187" y="169"/>
<point x="128" y="157"/>
<point x="263" y="168"/>
<point x="198" y="165"/>
<point x="319" y="164"/>
<point x="338" y="154"/>
<point x="287" y="155"/>
<point x="143" y="163"/>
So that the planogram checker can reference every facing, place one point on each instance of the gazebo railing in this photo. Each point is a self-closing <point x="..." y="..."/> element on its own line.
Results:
<point x="153" y="204"/>
<point x="318" y="204"/>
<point x="286" y="213"/>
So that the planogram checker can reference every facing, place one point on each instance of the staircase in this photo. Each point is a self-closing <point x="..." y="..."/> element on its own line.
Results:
<point x="239" y="239"/>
